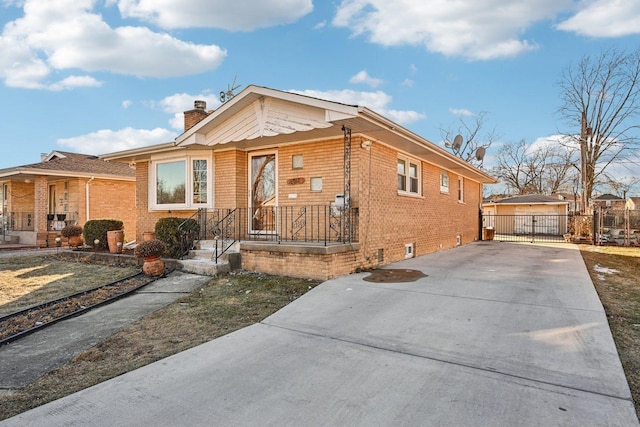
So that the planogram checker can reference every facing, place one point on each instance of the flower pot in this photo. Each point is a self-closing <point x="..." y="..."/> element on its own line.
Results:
<point x="76" y="241"/>
<point x="115" y="240"/>
<point x="148" y="235"/>
<point x="153" y="266"/>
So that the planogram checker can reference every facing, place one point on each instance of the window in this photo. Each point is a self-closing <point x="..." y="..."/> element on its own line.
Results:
<point x="413" y="178"/>
<point x="199" y="181"/>
<point x="408" y="176"/>
<point x="171" y="182"/>
<point x="461" y="189"/>
<point x="444" y="181"/>
<point x="402" y="175"/>
<point x="183" y="183"/>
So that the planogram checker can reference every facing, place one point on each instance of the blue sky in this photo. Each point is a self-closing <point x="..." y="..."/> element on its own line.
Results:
<point x="102" y="76"/>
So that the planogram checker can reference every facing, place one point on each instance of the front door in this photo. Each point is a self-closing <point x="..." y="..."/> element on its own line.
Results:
<point x="262" y="192"/>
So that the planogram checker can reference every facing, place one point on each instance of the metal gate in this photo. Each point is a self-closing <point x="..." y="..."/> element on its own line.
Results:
<point x="527" y="228"/>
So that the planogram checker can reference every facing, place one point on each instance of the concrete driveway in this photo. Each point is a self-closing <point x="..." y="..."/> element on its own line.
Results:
<point x="496" y="334"/>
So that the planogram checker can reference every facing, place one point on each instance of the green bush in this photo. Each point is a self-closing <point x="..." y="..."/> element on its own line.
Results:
<point x="97" y="229"/>
<point x="167" y="231"/>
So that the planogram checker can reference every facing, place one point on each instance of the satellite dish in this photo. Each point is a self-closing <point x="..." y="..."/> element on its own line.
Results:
<point x="480" y="153"/>
<point x="457" y="142"/>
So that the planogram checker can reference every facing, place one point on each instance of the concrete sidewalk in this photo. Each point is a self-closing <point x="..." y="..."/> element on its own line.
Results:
<point x="496" y="334"/>
<point x="25" y="360"/>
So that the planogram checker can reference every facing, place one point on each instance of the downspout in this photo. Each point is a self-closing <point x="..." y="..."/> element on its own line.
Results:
<point x="87" y="197"/>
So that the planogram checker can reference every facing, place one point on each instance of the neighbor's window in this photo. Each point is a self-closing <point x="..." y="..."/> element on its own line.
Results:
<point x="408" y="176"/>
<point x="180" y="183"/>
<point x="461" y="189"/>
<point x="444" y="181"/>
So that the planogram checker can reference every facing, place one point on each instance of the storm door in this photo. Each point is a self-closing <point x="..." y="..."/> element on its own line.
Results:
<point x="262" y="197"/>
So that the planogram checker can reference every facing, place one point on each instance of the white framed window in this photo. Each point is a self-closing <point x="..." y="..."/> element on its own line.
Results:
<point x="180" y="183"/>
<point x="444" y="181"/>
<point x="408" y="176"/>
<point x="460" y="189"/>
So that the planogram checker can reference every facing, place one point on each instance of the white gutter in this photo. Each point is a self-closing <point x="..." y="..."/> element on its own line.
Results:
<point x="86" y="187"/>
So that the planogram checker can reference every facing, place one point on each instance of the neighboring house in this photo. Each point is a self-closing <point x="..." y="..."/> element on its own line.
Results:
<point x="608" y="201"/>
<point x="310" y="188"/>
<point x="39" y="199"/>
<point x="574" y="199"/>
<point x="633" y="203"/>
<point x="527" y="214"/>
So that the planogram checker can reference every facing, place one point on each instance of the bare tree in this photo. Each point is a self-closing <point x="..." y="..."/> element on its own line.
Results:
<point x="621" y="186"/>
<point x="545" y="169"/>
<point x="472" y="141"/>
<point x="600" y="98"/>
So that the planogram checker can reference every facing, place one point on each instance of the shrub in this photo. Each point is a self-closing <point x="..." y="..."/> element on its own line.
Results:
<point x="149" y="248"/>
<point x="71" y="230"/>
<point x="97" y="229"/>
<point x="167" y="231"/>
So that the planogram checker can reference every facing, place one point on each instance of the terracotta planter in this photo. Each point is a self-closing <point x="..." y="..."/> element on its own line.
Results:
<point x="113" y="238"/>
<point x="148" y="235"/>
<point x="153" y="266"/>
<point x="76" y="241"/>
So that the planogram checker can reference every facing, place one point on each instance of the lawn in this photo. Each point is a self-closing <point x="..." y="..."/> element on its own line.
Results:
<point x="615" y="272"/>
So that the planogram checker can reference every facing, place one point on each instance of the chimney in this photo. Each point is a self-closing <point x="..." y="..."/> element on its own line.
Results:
<point x="192" y="117"/>
<point x="43" y="156"/>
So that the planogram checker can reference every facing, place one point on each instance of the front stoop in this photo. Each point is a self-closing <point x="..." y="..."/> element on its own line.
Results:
<point x="201" y="260"/>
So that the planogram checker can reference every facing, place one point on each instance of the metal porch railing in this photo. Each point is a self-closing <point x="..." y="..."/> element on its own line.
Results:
<point x="316" y="224"/>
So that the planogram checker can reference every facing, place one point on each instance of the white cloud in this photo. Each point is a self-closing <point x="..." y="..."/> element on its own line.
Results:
<point x="461" y="112"/>
<point x="126" y="103"/>
<point x="408" y="83"/>
<point x="55" y="36"/>
<point x="605" y="18"/>
<point x="108" y="141"/>
<point x="364" y="77"/>
<point x="376" y="101"/>
<point x="237" y="15"/>
<point x="178" y="103"/>
<point x="477" y="30"/>
<point x="75" y="81"/>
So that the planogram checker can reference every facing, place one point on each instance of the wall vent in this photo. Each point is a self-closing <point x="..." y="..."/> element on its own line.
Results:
<point x="408" y="250"/>
<point x="458" y="240"/>
<point x="380" y="255"/>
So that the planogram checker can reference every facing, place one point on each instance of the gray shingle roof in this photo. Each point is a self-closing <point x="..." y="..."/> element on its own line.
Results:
<point x="530" y="199"/>
<point x="62" y="161"/>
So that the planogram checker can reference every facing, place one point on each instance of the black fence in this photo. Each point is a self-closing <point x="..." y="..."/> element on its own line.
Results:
<point x="617" y="227"/>
<point x="526" y="228"/>
<point x="605" y="227"/>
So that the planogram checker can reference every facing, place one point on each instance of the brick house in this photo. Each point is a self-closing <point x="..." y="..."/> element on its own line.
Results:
<point x="309" y="187"/>
<point x="39" y="199"/>
<point x="608" y="201"/>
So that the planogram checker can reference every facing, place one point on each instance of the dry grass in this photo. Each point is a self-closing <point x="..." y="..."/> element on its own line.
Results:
<point x="222" y="306"/>
<point x="615" y="272"/>
<point x="30" y="280"/>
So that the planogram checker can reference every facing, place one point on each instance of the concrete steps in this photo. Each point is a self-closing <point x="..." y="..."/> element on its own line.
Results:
<point x="202" y="259"/>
